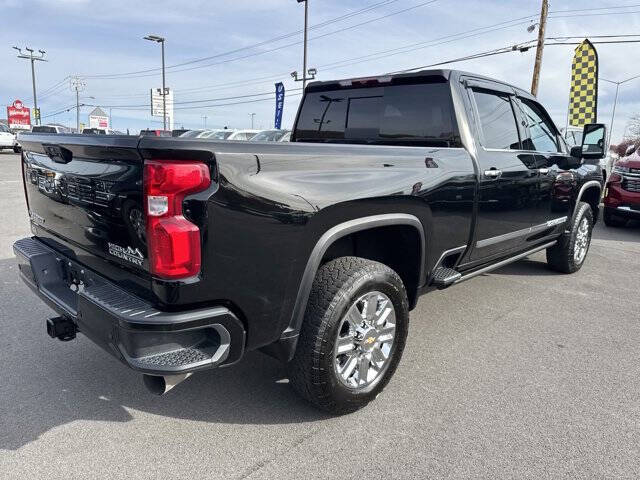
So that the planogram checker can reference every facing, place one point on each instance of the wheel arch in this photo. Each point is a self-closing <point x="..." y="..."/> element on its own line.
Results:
<point x="329" y="238"/>
<point x="590" y="192"/>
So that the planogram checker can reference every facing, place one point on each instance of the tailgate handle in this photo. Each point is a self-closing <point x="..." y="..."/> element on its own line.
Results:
<point x="57" y="153"/>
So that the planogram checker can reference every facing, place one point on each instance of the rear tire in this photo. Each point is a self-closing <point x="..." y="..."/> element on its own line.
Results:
<point x="353" y="335"/>
<point x="611" y="220"/>
<point x="569" y="254"/>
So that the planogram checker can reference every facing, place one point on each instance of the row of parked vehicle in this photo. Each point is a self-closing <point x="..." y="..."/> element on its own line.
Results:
<point x="252" y="135"/>
<point x="8" y="139"/>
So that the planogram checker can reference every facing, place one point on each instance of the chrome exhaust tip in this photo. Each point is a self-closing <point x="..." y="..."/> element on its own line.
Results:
<point x="159" y="385"/>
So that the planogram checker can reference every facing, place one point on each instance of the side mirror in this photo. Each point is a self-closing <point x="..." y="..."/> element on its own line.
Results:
<point x="593" y="141"/>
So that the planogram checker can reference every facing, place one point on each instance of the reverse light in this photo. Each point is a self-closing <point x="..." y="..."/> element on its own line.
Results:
<point x="173" y="241"/>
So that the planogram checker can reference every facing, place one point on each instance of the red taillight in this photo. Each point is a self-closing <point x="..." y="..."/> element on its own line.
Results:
<point x="173" y="241"/>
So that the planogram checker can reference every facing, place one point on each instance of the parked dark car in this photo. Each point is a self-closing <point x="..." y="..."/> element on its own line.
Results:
<point x="155" y="133"/>
<point x="313" y="251"/>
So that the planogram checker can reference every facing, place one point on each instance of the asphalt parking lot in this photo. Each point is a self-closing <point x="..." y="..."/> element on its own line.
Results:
<point x="521" y="373"/>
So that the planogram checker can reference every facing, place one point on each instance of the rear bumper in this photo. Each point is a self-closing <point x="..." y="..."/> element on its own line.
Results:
<point x="144" y="338"/>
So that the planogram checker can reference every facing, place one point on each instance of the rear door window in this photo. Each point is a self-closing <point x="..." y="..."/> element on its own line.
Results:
<point x="497" y="120"/>
<point x="415" y="114"/>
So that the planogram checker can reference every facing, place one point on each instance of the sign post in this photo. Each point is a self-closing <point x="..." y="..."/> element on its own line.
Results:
<point x="161" y="102"/>
<point x="19" y="116"/>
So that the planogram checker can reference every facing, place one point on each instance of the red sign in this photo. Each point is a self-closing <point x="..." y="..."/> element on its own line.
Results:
<point x="18" y="116"/>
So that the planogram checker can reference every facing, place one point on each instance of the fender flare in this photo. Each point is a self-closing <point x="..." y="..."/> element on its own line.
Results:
<point x="587" y="185"/>
<point x="326" y="240"/>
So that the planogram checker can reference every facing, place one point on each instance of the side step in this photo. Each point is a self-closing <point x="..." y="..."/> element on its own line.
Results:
<point x="444" y="277"/>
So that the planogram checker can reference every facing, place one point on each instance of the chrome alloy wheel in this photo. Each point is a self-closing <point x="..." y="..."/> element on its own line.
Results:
<point x="582" y="241"/>
<point x="365" y="338"/>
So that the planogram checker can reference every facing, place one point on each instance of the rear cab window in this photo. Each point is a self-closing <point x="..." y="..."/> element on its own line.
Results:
<point x="413" y="114"/>
<point x="498" y="122"/>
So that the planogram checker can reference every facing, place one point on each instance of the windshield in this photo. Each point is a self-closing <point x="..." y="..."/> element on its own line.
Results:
<point x="3" y="128"/>
<point x="191" y="133"/>
<point x="415" y="114"/>
<point x="221" y="135"/>
<point x="44" y="129"/>
<point x="574" y="137"/>
<point x="269" y="136"/>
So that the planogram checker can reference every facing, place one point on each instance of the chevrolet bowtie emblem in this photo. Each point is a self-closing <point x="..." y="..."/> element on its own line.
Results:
<point x="370" y="340"/>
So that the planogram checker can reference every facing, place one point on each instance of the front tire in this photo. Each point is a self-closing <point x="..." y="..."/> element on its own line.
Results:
<point x="568" y="255"/>
<point x="353" y="335"/>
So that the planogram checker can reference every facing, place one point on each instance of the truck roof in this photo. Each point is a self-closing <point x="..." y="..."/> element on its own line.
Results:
<point x="446" y="74"/>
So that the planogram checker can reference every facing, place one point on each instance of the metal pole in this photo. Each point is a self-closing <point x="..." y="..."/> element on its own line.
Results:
<point x="613" y="114"/>
<point x="77" y="110"/>
<point x="304" y="60"/>
<point x="33" y="81"/>
<point x="541" y="32"/>
<point x="164" y="92"/>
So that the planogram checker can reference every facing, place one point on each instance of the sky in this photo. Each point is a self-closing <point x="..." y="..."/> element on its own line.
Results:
<point x="251" y="44"/>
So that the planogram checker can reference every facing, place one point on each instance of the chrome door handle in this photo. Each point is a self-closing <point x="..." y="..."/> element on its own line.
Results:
<point x="543" y="171"/>
<point x="493" y="173"/>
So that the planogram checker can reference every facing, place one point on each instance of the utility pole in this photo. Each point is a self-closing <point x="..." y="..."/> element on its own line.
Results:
<point x="160" y="40"/>
<point x="204" y="121"/>
<point x="542" y="26"/>
<point x="78" y="85"/>
<point x="312" y="71"/>
<point x="252" y="115"/>
<point x="33" y="58"/>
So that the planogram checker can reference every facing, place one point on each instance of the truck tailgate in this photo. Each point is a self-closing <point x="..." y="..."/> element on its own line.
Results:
<point x="88" y="195"/>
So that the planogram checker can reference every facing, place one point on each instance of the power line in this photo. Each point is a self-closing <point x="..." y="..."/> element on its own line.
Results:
<point x="265" y="42"/>
<point x="255" y="54"/>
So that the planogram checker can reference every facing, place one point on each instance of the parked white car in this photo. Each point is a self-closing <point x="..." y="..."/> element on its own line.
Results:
<point x="243" y="135"/>
<point x="220" y="134"/>
<point x="7" y="139"/>
<point x="269" y="136"/>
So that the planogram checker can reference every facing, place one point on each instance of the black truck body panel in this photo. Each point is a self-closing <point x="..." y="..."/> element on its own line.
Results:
<point x="275" y="210"/>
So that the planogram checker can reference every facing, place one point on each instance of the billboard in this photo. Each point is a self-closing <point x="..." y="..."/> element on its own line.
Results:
<point x="98" y="119"/>
<point x="156" y="105"/>
<point x="18" y="116"/>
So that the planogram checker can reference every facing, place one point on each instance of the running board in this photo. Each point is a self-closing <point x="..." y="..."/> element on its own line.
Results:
<point x="504" y="262"/>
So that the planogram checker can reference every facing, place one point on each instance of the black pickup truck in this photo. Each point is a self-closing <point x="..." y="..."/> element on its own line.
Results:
<point x="178" y="255"/>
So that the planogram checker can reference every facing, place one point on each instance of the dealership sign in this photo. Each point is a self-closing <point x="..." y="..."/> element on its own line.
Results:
<point x="98" y="119"/>
<point x="157" y="106"/>
<point x="18" y="116"/>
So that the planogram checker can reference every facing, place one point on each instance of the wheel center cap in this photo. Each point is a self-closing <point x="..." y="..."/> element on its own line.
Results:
<point x="369" y="339"/>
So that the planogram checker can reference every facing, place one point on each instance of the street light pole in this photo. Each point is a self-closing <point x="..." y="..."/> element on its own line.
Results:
<point x="312" y="71"/>
<point x="304" y="59"/>
<point x="615" y="101"/>
<point x="160" y="40"/>
<point x="33" y="58"/>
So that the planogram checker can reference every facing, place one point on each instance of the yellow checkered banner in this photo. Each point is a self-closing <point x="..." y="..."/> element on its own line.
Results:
<point x="583" y="98"/>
